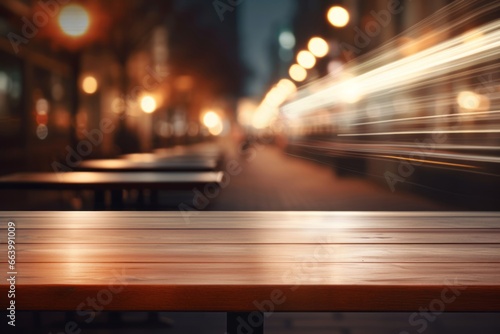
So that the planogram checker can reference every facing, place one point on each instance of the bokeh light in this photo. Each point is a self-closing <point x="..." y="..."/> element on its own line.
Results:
<point x="471" y="101"/>
<point x="213" y="122"/>
<point x="74" y="20"/>
<point x="338" y="16"/>
<point x="42" y="131"/>
<point x="211" y="119"/>
<point x="287" y="85"/>
<point x="275" y="97"/>
<point x="318" y="47"/>
<point x="42" y="106"/>
<point x="287" y="40"/>
<point x="306" y="59"/>
<point x="297" y="73"/>
<point x="148" y="104"/>
<point x="89" y="85"/>
<point x="217" y="129"/>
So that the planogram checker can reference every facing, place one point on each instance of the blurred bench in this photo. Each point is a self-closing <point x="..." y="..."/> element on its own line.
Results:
<point x="115" y="182"/>
<point x="204" y="158"/>
<point x="247" y="263"/>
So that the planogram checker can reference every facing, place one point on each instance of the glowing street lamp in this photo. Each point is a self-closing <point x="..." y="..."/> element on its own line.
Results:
<point x="306" y="59"/>
<point x="338" y="16"/>
<point x="213" y="122"/>
<point x="211" y="119"/>
<point x="297" y="73"/>
<point x="89" y="85"/>
<point x="74" y="20"/>
<point x="318" y="47"/>
<point x="148" y="104"/>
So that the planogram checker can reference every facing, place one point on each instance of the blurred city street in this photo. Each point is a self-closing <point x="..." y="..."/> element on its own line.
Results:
<point x="273" y="180"/>
<point x="267" y="179"/>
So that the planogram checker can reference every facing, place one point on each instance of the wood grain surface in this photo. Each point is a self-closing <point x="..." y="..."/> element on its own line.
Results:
<point x="245" y="261"/>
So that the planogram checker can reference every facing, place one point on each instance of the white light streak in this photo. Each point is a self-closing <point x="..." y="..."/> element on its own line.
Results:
<point x="452" y="55"/>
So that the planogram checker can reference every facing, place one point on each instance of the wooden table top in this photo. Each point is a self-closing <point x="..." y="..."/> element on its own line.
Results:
<point x="108" y="180"/>
<point x="240" y="261"/>
<point x="149" y="163"/>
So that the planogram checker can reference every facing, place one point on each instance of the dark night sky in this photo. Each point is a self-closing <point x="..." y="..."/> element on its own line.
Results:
<point x="256" y="20"/>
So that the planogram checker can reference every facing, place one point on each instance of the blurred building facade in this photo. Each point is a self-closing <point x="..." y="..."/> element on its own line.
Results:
<point x="57" y="93"/>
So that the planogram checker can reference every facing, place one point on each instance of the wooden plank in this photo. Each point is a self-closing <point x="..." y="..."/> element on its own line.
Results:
<point x="337" y="221"/>
<point x="66" y="234"/>
<point x="261" y="273"/>
<point x="239" y="287"/>
<point x="254" y="253"/>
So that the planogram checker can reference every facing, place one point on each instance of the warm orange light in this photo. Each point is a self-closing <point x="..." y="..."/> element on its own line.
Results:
<point x="246" y="109"/>
<point x="350" y="91"/>
<point x="148" y="104"/>
<point x="184" y="83"/>
<point x="318" y="47"/>
<point x="287" y="86"/>
<point x="213" y="122"/>
<point x="338" y="16"/>
<point x="216" y="130"/>
<point x="306" y="59"/>
<point x="297" y="73"/>
<point x="211" y="119"/>
<point x="275" y="97"/>
<point x="89" y="85"/>
<point x="471" y="101"/>
<point x="473" y="35"/>
<point x="74" y="20"/>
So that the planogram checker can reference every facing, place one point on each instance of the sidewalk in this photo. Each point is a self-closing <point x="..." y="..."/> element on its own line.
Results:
<point x="272" y="180"/>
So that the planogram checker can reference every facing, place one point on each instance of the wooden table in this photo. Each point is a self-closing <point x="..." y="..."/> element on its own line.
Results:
<point x="252" y="262"/>
<point x="114" y="181"/>
<point x="148" y="163"/>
